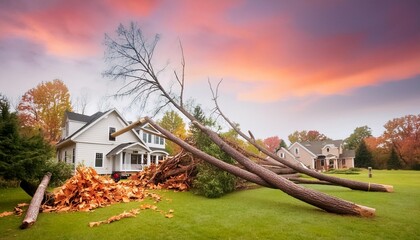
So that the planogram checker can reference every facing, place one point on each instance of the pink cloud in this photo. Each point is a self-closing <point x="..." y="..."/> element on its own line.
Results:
<point x="69" y="28"/>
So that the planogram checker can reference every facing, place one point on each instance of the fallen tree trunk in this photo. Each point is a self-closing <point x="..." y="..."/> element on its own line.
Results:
<point x="355" y="185"/>
<point x="267" y="178"/>
<point x="35" y="205"/>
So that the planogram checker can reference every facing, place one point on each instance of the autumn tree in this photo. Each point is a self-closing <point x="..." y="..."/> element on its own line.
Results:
<point x="394" y="160"/>
<point x="42" y="108"/>
<point x="358" y="135"/>
<point x="25" y="158"/>
<point x="172" y="122"/>
<point x="403" y="134"/>
<point x="363" y="156"/>
<point x="379" y="150"/>
<point x="306" y="136"/>
<point x="272" y="143"/>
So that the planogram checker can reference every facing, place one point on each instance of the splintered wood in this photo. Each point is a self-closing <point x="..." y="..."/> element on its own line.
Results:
<point x="174" y="173"/>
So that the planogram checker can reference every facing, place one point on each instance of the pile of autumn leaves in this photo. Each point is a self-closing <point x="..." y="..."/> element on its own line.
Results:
<point x="87" y="190"/>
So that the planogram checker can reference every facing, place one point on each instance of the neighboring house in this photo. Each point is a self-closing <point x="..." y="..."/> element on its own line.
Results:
<point x="319" y="155"/>
<point x="87" y="140"/>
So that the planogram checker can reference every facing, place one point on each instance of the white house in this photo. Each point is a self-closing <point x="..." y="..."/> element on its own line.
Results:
<point x="319" y="155"/>
<point x="87" y="140"/>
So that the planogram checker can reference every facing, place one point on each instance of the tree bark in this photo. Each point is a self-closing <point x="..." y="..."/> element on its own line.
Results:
<point x="262" y="176"/>
<point x="35" y="204"/>
<point x="355" y="185"/>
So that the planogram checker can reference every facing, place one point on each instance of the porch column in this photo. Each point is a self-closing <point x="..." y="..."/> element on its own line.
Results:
<point x="335" y="164"/>
<point x="121" y="161"/>
<point x="148" y="159"/>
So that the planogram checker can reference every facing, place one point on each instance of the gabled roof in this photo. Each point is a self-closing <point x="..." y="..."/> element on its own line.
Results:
<point x="303" y="147"/>
<point x="348" y="153"/>
<point x="118" y="149"/>
<point x="316" y="146"/>
<point x="81" y="117"/>
<point x="149" y="127"/>
<point x="92" y="120"/>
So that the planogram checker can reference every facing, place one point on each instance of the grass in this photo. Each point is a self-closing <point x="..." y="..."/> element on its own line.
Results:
<point x="251" y="214"/>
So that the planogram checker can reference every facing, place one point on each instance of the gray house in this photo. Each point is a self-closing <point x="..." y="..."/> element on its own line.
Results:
<point x="319" y="155"/>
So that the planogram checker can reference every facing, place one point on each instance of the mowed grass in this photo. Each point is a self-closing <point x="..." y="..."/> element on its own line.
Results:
<point x="250" y="214"/>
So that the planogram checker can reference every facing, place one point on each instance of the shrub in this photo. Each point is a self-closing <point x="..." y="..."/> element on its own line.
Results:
<point x="212" y="182"/>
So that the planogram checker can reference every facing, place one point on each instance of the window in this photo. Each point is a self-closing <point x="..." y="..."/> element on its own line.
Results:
<point x="145" y="137"/>
<point x="99" y="160"/>
<point x="282" y="155"/>
<point x="161" y="141"/>
<point x="328" y="149"/>
<point x="111" y="131"/>
<point x="149" y="138"/>
<point x="135" y="159"/>
<point x="65" y="156"/>
<point x="74" y="155"/>
<point x="156" y="139"/>
<point x="297" y="151"/>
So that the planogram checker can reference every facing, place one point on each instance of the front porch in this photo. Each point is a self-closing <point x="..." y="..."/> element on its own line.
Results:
<point x="134" y="157"/>
<point x="325" y="163"/>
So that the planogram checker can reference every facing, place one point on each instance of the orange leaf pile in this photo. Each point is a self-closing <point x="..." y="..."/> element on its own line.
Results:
<point x="87" y="190"/>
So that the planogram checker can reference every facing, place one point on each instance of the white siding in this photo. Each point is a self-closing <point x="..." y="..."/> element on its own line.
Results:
<point x="96" y="140"/>
<point x="98" y="133"/>
<point x="74" y="126"/>
<point x="86" y="155"/>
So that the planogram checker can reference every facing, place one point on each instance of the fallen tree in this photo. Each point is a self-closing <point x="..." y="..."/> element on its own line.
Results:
<point x="35" y="205"/>
<point x="356" y="185"/>
<point x="134" y="55"/>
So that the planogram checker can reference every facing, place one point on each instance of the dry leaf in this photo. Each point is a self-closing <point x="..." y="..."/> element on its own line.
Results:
<point x="5" y="214"/>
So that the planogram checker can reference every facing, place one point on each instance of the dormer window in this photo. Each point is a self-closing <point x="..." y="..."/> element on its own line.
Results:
<point x="111" y="131"/>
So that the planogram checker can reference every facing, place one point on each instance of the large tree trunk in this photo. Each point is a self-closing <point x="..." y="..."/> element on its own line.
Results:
<point x="265" y="177"/>
<point x="35" y="205"/>
<point x="355" y="185"/>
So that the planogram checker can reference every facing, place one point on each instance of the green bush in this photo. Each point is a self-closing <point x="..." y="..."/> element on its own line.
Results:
<point x="212" y="182"/>
<point x="8" y="183"/>
<point x="60" y="171"/>
<point x="345" y="171"/>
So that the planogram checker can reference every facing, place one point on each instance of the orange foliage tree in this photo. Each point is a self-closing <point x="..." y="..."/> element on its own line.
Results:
<point x="42" y="108"/>
<point x="272" y="143"/>
<point x="306" y="136"/>
<point x="404" y="135"/>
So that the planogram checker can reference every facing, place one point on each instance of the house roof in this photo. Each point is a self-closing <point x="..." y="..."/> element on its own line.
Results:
<point x="348" y="153"/>
<point x="81" y="117"/>
<point x="118" y="149"/>
<point x="91" y="121"/>
<point x="316" y="146"/>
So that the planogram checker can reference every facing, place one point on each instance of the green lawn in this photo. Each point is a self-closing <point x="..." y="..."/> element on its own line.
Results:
<point x="252" y="214"/>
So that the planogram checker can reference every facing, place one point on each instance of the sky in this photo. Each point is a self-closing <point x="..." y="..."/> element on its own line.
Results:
<point x="325" y="65"/>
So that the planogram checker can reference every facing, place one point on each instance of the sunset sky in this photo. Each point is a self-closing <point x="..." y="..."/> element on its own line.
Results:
<point x="328" y="65"/>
